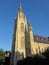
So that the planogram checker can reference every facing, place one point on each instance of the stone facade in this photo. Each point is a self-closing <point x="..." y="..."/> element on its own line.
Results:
<point x="25" y="43"/>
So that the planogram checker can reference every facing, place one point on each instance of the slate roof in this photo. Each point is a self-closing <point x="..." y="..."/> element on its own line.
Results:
<point x="41" y="39"/>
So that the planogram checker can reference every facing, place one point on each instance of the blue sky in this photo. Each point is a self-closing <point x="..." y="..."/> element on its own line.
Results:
<point x="35" y="10"/>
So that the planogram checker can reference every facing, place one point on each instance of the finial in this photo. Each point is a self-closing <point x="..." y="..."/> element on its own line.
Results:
<point x="20" y="9"/>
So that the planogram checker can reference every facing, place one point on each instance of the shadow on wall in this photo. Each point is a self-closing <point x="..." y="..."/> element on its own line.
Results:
<point x="20" y="55"/>
<point x="17" y="56"/>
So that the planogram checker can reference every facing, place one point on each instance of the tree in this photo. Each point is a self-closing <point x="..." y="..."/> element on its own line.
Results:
<point x="2" y="55"/>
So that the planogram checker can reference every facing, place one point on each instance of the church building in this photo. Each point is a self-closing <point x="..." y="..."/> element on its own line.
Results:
<point x="24" y="42"/>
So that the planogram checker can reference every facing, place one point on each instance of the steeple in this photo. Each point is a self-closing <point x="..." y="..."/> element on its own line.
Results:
<point x="20" y="12"/>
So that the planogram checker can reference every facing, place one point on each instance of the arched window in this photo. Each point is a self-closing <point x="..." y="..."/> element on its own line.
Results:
<point x="22" y="27"/>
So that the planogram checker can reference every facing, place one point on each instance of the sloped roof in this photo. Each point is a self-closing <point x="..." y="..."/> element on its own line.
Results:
<point x="41" y="39"/>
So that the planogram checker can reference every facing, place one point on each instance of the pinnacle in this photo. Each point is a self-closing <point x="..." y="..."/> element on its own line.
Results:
<point x="29" y="22"/>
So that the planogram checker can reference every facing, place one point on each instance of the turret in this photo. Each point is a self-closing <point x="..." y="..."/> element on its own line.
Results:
<point x="30" y="34"/>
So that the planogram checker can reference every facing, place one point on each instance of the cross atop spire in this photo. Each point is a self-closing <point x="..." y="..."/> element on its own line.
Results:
<point x="20" y="8"/>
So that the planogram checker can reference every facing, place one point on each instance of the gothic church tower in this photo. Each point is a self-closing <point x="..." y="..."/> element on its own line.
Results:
<point x="19" y="38"/>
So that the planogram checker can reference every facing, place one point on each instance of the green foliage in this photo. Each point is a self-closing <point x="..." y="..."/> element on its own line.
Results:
<point x="2" y="55"/>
